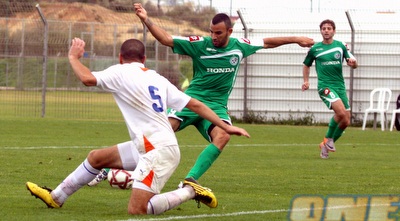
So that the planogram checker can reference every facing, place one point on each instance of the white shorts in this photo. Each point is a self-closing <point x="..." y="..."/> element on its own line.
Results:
<point x="155" y="168"/>
<point x="129" y="155"/>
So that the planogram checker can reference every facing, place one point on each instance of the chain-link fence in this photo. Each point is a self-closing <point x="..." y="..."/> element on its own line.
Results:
<point x="35" y="76"/>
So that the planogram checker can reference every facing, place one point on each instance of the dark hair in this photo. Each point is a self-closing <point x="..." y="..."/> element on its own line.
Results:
<point x="132" y="50"/>
<point x="222" y="17"/>
<point x="328" y="21"/>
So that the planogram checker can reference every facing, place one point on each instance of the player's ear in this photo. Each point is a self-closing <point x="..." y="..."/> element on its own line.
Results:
<point x="143" y="59"/>
<point x="230" y="30"/>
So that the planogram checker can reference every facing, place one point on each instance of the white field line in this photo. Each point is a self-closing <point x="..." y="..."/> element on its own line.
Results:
<point x="199" y="145"/>
<point x="243" y="213"/>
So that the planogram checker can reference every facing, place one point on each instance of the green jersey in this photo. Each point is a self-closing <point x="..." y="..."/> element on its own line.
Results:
<point x="328" y="63"/>
<point x="214" y="69"/>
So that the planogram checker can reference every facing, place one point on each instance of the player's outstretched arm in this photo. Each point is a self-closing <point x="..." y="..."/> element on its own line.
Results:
<point x="274" y="42"/>
<point x="206" y="113"/>
<point x="306" y="76"/>
<point x="160" y="34"/>
<point x="81" y="71"/>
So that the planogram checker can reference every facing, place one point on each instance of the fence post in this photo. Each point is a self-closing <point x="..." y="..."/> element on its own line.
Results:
<point x="20" y="73"/>
<point x="115" y="36"/>
<point x="351" y="89"/>
<point x="245" y="111"/>
<point x="45" y="46"/>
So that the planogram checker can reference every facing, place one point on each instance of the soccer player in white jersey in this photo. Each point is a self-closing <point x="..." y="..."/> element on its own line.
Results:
<point x="143" y="96"/>
<point x="328" y="56"/>
<point x="216" y="60"/>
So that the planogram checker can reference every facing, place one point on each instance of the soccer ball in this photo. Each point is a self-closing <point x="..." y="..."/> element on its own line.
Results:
<point x="121" y="179"/>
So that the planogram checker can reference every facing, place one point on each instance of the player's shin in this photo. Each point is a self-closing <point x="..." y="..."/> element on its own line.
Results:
<point x="204" y="161"/>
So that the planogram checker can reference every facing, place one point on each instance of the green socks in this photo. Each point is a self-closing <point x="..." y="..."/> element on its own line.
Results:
<point x="338" y="133"/>
<point x="204" y="161"/>
<point x="333" y="130"/>
<point x="333" y="125"/>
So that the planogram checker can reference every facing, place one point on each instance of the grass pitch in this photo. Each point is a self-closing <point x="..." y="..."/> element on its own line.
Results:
<point x="253" y="179"/>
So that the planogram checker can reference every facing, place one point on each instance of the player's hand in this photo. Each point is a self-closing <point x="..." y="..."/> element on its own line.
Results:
<point x="140" y="11"/>
<point x="237" y="131"/>
<point x="305" y="86"/>
<point x="352" y="62"/>
<point x="77" y="49"/>
<point x="306" y="42"/>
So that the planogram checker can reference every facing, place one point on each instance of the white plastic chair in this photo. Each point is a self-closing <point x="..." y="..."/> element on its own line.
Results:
<point x="379" y="101"/>
<point x="395" y="111"/>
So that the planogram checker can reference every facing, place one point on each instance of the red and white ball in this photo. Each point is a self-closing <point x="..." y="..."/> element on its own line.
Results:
<point x="121" y="179"/>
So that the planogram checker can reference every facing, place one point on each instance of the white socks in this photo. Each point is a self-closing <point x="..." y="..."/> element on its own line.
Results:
<point x="169" y="200"/>
<point x="82" y="175"/>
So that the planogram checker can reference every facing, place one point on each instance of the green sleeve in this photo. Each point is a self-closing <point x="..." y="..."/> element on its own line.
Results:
<point x="309" y="59"/>
<point x="183" y="46"/>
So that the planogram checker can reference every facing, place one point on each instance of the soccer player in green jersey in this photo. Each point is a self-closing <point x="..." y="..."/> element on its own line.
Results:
<point x="216" y="59"/>
<point x="328" y="56"/>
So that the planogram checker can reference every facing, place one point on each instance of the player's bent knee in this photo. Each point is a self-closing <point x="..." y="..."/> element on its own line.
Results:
<point x="226" y="137"/>
<point x="221" y="140"/>
<point x="94" y="159"/>
<point x="136" y="211"/>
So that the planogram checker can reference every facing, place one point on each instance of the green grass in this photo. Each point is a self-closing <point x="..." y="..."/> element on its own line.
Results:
<point x="59" y="104"/>
<point x="257" y="176"/>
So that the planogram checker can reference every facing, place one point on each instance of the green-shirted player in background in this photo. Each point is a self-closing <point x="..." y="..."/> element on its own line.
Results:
<point x="216" y="61"/>
<point x="328" y="56"/>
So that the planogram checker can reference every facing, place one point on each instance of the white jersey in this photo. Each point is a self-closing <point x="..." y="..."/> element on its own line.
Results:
<point x="143" y="97"/>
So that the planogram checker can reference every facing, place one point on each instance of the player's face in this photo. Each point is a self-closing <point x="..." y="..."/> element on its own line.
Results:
<point x="327" y="31"/>
<point x="220" y="34"/>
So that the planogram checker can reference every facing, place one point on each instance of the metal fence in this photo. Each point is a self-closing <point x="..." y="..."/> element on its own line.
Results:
<point x="37" y="81"/>
<point x="35" y="76"/>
